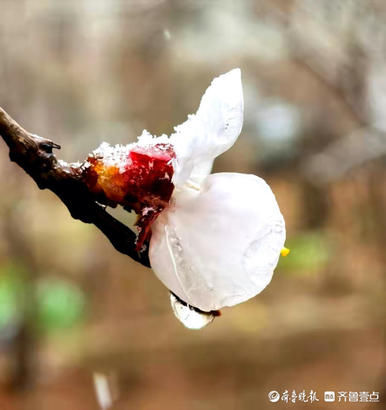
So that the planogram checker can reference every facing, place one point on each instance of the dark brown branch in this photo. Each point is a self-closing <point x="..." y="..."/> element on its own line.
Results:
<point x="35" y="155"/>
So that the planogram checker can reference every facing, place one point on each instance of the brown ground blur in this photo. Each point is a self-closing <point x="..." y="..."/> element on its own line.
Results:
<point x="314" y="78"/>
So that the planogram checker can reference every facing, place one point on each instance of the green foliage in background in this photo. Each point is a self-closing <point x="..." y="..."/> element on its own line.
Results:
<point x="11" y="294"/>
<point x="59" y="304"/>
<point x="309" y="252"/>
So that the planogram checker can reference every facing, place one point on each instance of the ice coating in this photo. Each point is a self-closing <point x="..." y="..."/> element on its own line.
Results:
<point x="218" y="246"/>
<point x="212" y="130"/>
<point x="219" y="240"/>
<point x="215" y="239"/>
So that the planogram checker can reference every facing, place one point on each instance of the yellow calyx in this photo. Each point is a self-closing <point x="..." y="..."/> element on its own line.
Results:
<point x="285" y="252"/>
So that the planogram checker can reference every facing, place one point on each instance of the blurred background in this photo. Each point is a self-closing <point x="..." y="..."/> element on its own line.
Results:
<point x="74" y="311"/>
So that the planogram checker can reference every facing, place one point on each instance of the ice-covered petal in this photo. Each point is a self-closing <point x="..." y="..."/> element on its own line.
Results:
<point x="211" y="131"/>
<point x="218" y="246"/>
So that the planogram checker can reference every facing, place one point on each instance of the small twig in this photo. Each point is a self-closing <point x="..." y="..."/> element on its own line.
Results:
<point x="35" y="155"/>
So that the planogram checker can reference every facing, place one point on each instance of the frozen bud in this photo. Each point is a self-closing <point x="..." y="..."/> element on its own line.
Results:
<point x="215" y="239"/>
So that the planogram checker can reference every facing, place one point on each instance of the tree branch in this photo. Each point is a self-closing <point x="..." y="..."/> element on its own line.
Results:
<point x="35" y="155"/>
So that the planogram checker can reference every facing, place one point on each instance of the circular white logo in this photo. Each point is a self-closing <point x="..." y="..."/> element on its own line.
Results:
<point x="273" y="396"/>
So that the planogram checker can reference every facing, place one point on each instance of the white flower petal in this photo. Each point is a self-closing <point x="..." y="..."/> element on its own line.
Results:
<point x="211" y="131"/>
<point x="218" y="246"/>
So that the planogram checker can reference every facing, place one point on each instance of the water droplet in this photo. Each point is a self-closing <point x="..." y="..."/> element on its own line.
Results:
<point x="188" y="316"/>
